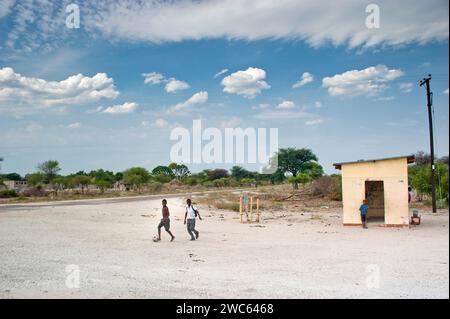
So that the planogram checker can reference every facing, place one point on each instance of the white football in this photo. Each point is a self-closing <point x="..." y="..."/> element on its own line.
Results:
<point x="155" y="238"/>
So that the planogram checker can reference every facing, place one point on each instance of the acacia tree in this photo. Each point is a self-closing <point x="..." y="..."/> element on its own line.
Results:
<point x="136" y="177"/>
<point x="301" y="179"/>
<point x="50" y="169"/>
<point x="180" y="171"/>
<point x="81" y="180"/>
<point x="295" y="161"/>
<point x="35" y="179"/>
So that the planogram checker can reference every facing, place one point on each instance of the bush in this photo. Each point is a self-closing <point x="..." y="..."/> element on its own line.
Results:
<point x="209" y="184"/>
<point x="35" y="192"/>
<point x="328" y="186"/>
<point x="154" y="187"/>
<point x="247" y="181"/>
<point x="8" y="193"/>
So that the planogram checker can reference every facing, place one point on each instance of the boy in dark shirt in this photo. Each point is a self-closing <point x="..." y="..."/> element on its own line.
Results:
<point x="165" y="221"/>
<point x="363" y="209"/>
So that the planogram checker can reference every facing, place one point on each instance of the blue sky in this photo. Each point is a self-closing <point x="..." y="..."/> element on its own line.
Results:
<point x="360" y="97"/>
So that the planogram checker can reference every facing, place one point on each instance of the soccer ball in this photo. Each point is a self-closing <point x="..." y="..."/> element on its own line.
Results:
<point x="155" y="238"/>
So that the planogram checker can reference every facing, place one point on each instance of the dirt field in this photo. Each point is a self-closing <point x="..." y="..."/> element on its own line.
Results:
<point x="288" y="255"/>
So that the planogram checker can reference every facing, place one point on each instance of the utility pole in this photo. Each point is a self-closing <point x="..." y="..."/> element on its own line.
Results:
<point x="426" y="82"/>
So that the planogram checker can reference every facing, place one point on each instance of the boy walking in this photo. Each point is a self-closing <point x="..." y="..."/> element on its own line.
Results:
<point x="165" y="221"/>
<point x="189" y="219"/>
<point x="363" y="209"/>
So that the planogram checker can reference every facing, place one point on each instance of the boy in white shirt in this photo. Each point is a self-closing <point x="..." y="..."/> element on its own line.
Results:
<point x="189" y="219"/>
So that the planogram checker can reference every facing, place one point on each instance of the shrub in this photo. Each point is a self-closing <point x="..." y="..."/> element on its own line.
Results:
<point x="8" y="193"/>
<point x="208" y="184"/>
<point x="155" y="187"/>
<point x="35" y="192"/>
<point x="328" y="186"/>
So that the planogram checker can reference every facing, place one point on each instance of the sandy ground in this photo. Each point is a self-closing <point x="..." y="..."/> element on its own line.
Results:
<point x="293" y="255"/>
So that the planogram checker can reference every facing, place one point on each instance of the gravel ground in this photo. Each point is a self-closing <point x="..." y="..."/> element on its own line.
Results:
<point x="294" y="255"/>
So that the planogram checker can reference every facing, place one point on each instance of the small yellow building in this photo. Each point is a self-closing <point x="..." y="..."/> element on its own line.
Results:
<point x="384" y="183"/>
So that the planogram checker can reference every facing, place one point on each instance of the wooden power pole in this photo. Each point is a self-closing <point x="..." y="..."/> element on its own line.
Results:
<point x="426" y="82"/>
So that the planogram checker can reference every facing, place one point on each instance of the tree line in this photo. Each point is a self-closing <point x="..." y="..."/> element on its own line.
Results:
<point x="297" y="166"/>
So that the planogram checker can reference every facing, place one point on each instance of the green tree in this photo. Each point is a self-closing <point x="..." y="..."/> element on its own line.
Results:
<point x="217" y="173"/>
<point x="12" y="177"/>
<point x="35" y="179"/>
<point x="103" y="185"/>
<point x="163" y="174"/>
<point x="295" y="161"/>
<point x="136" y="177"/>
<point x="420" y="180"/>
<point x="82" y="181"/>
<point x="102" y="175"/>
<point x="240" y="173"/>
<point x="301" y="179"/>
<point x="314" y="170"/>
<point x="50" y="169"/>
<point x="180" y="171"/>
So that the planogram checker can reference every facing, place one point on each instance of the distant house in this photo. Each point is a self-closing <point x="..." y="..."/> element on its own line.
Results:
<point x="383" y="182"/>
<point x="18" y="186"/>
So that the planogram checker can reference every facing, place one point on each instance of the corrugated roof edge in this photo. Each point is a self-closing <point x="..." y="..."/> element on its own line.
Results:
<point x="411" y="158"/>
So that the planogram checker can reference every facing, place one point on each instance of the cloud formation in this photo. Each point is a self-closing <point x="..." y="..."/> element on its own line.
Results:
<point x="317" y="23"/>
<point x="153" y="78"/>
<point x="125" y="108"/>
<point x="22" y="94"/>
<point x="368" y="82"/>
<point x="172" y="85"/>
<point x="196" y="99"/>
<point x="221" y="72"/>
<point x="286" y="105"/>
<point x="248" y="83"/>
<point x="406" y="87"/>
<point x="305" y="79"/>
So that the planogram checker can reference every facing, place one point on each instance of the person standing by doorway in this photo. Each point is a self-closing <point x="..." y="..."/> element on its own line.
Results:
<point x="363" y="209"/>
<point x="189" y="219"/>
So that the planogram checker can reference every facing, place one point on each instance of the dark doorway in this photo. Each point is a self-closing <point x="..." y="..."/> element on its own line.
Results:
<point x="375" y="197"/>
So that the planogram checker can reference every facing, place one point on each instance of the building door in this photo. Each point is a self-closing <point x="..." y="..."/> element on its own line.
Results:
<point x="375" y="197"/>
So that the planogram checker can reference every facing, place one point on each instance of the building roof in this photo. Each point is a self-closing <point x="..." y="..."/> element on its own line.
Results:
<point x="409" y="158"/>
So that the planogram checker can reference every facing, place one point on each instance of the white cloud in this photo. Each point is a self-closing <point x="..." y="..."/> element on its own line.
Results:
<point x="248" y="83"/>
<point x="5" y="7"/>
<point x="125" y="108"/>
<point x="314" y="122"/>
<point x="286" y="105"/>
<point x="315" y="22"/>
<point x="23" y="95"/>
<point x="406" y="87"/>
<point x="74" y="126"/>
<point x="161" y="123"/>
<point x="368" y="82"/>
<point x="318" y="104"/>
<point x="153" y="78"/>
<point x="173" y="85"/>
<point x="305" y="79"/>
<point x="196" y="99"/>
<point x="221" y="72"/>
<point x="445" y="92"/>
